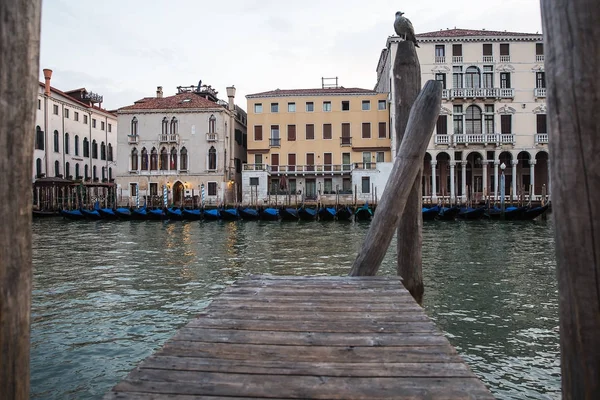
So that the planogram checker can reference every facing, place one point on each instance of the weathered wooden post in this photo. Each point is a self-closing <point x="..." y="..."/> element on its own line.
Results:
<point x="407" y="84"/>
<point x="572" y="38"/>
<point x="407" y="164"/>
<point x="19" y="68"/>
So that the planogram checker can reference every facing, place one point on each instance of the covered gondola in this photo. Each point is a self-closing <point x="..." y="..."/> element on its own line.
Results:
<point x="230" y="214"/>
<point x="156" y="214"/>
<point x="289" y="214"/>
<point x="191" y="214"/>
<point x="534" y="212"/>
<point x="307" y="213"/>
<point x="249" y="214"/>
<point x="123" y="213"/>
<point x="212" y="214"/>
<point x="363" y="213"/>
<point x="471" y="213"/>
<point x="344" y="214"/>
<point x="448" y="213"/>
<point x="327" y="213"/>
<point x="269" y="214"/>
<point x="72" y="214"/>
<point x="430" y="213"/>
<point x="175" y="213"/>
<point x="107" y="213"/>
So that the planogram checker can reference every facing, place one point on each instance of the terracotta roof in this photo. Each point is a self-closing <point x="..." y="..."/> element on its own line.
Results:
<point x="471" y="32"/>
<point x="180" y="100"/>
<point x="312" y="92"/>
<point x="66" y="94"/>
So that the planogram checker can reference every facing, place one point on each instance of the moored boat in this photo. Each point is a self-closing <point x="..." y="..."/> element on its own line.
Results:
<point x="429" y="214"/>
<point x="471" y="213"/>
<point x="91" y="214"/>
<point x="230" y="214"/>
<point x="534" y="212"/>
<point x="288" y="214"/>
<point x="175" y="213"/>
<point x="107" y="213"/>
<point x="363" y="213"/>
<point x="269" y="214"/>
<point x="123" y="213"/>
<point x="307" y="213"/>
<point x="72" y="214"/>
<point x="448" y="213"/>
<point x="191" y="214"/>
<point x="327" y="213"/>
<point x="344" y="214"/>
<point x="212" y="214"/>
<point x="156" y="214"/>
<point x="139" y="213"/>
<point x="249" y="214"/>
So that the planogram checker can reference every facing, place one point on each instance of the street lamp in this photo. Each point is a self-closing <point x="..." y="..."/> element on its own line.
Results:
<point x="502" y="188"/>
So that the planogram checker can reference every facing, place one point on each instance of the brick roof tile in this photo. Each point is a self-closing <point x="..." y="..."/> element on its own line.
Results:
<point x="180" y="100"/>
<point x="471" y="32"/>
<point x="312" y="92"/>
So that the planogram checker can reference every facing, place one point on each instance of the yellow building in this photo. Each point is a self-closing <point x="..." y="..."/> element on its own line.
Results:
<point x="316" y="143"/>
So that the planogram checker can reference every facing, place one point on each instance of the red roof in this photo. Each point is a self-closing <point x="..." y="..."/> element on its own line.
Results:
<point x="66" y="94"/>
<point x="471" y="32"/>
<point x="180" y="100"/>
<point x="312" y="92"/>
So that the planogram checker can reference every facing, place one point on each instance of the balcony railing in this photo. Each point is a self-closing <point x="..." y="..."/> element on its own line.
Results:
<point x="345" y="141"/>
<point x="488" y="59"/>
<point x="539" y="58"/>
<point x="539" y="92"/>
<point x="446" y="94"/>
<point x="256" y="167"/>
<point x="133" y="138"/>
<point x="507" y="93"/>
<point x="275" y="142"/>
<point x="169" y="138"/>
<point x="457" y="59"/>
<point x="490" y="138"/>
<point x="483" y="93"/>
<point x="442" y="139"/>
<point x="311" y="169"/>
<point x="440" y="59"/>
<point x="365" y="165"/>
<point x="505" y="58"/>
<point x="211" y="137"/>
<point x="541" y="138"/>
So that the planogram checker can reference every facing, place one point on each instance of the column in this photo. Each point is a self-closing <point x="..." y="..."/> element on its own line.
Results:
<point x="532" y="178"/>
<point x="433" y="183"/>
<point x="514" y="179"/>
<point x="496" y="164"/>
<point x="484" y="178"/>
<point x="452" y="192"/>
<point x="463" y="165"/>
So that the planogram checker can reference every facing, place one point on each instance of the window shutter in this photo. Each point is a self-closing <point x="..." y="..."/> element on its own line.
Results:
<point x="258" y="132"/>
<point x="310" y="131"/>
<point x="366" y="130"/>
<point x="382" y="130"/>
<point x="291" y="133"/>
<point x="441" y="127"/>
<point x="326" y="131"/>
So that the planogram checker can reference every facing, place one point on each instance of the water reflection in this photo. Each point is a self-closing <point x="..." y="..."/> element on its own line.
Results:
<point x="107" y="294"/>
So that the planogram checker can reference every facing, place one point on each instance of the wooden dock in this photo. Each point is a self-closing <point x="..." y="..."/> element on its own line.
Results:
<point x="306" y="338"/>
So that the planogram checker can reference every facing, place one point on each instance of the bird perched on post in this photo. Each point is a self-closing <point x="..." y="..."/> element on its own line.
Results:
<point x="404" y="28"/>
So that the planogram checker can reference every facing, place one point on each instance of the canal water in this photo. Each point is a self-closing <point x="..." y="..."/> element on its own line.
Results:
<point x="108" y="294"/>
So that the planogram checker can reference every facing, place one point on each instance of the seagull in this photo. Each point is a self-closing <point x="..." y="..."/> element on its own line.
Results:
<point x="404" y="28"/>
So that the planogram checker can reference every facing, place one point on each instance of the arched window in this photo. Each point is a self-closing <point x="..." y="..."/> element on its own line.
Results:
<point x="87" y="171"/>
<point x="102" y="151"/>
<point x="212" y="124"/>
<point x="212" y="158"/>
<point x="77" y="175"/>
<point x="110" y="152"/>
<point x="56" y="142"/>
<point x="86" y="147"/>
<point x="103" y="173"/>
<point x="134" y="159"/>
<point x="165" y="126"/>
<point x="144" y="159"/>
<point x="472" y="78"/>
<point x="38" y="167"/>
<point x="67" y="170"/>
<point x="110" y="173"/>
<point x="76" y="145"/>
<point x="173" y="161"/>
<point x="164" y="159"/>
<point x="66" y="144"/>
<point x="56" y="168"/>
<point x="94" y="149"/>
<point x="473" y="120"/>
<point x="134" y="126"/>
<point x="153" y="159"/>
<point x="173" y="126"/>
<point x="39" y="138"/>
<point x="183" y="162"/>
<point x="94" y="174"/>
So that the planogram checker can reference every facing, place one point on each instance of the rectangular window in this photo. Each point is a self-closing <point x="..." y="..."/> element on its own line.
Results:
<point x="505" y="80"/>
<point x="254" y="181"/>
<point x="381" y="105"/>
<point x="292" y="184"/>
<point x="85" y="119"/>
<point x="291" y="107"/>
<point x="504" y="49"/>
<point x="346" y="161"/>
<point x="457" y="50"/>
<point x="212" y="188"/>
<point x="346" y="130"/>
<point x="274" y="107"/>
<point x="310" y="106"/>
<point x="258" y="161"/>
<point x="382" y="130"/>
<point x="76" y="116"/>
<point x="154" y="189"/>
<point x="310" y="132"/>
<point x="541" y="123"/>
<point x="442" y="79"/>
<point x="489" y="118"/>
<point x="274" y="131"/>
<point x="540" y="80"/>
<point x="326" y="106"/>
<point x="258" y="108"/>
<point x="440" y="50"/>
<point x="291" y="133"/>
<point x="487" y="49"/>
<point x="110" y="127"/>
<point x="327" y="186"/>
<point x="55" y="109"/>
<point x="327" y="131"/>
<point x="310" y="162"/>
<point x="39" y="104"/>
<point x="488" y="76"/>
<point x="366" y="105"/>
<point x="539" y="49"/>
<point x="457" y="77"/>
<point x="133" y="189"/>
<point x="347" y="185"/>
<point x="327" y="161"/>
<point x="258" y="134"/>
<point x="66" y="113"/>
<point x="366" y="130"/>
<point x="380" y="156"/>
<point x="291" y="162"/>
<point x="458" y="120"/>
<point x="366" y="184"/>
<point x="441" y="127"/>
<point x="101" y="125"/>
<point x="506" y="123"/>
<point x="345" y="105"/>
<point x="93" y="122"/>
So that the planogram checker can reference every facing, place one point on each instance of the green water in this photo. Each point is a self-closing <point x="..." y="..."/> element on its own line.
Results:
<point x="108" y="294"/>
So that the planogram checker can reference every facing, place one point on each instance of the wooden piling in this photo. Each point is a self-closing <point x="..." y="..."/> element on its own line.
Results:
<point x="19" y="69"/>
<point x="572" y="41"/>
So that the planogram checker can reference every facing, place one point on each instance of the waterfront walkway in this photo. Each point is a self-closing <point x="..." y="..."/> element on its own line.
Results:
<point x="306" y="338"/>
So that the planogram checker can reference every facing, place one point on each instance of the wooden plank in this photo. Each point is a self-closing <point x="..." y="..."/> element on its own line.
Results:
<point x="317" y="278"/>
<point x="325" y="316"/>
<point x="572" y="46"/>
<point x="356" y="299"/>
<point x="161" y="396"/>
<point x="317" y="291"/>
<point x="19" y="85"/>
<point x="261" y="367"/>
<point x="239" y="304"/>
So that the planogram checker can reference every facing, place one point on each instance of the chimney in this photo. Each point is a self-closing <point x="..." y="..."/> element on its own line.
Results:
<point x="159" y="93"/>
<point x="231" y="96"/>
<point x="47" y="77"/>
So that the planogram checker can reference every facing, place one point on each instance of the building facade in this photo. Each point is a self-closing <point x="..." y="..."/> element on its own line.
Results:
<point x="329" y="144"/>
<point x="190" y="146"/>
<point x="75" y="139"/>
<point x="493" y="116"/>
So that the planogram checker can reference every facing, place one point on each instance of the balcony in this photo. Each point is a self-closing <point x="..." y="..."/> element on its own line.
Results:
<point x="442" y="139"/>
<point x="440" y="59"/>
<point x="457" y="59"/>
<point x="256" y="167"/>
<point x="481" y="93"/>
<point x="539" y="58"/>
<point x="365" y="165"/>
<point x="133" y="139"/>
<point x="541" y="138"/>
<point x="505" y="58"/>
<point x="539" y="92"/>
<point x="275" y="142"/>
<point x="169" y="138"/>
<point x="345" y="141"/>
<point x="490" y="138"/>
<point x="319" y="169"/>
<point x="488" y="59"/>
<point x="211" y="137"/>
<point x="446" y="94"/>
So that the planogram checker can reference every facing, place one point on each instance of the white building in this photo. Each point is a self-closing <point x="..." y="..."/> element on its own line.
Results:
<point x="190" y="143"/>
<point x="493" y="113"/>
<point x="74" y="138"/>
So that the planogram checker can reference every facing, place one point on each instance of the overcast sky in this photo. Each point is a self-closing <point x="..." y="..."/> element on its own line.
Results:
<point x="124" y="49"/>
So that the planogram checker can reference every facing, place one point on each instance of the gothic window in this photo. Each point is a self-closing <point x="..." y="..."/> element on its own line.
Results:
<point x="134" y="159"/>
<point x="183" y="162"/>
<point x="56" y="141"/>
<point x="67" y="170"/>
<point x="472" y="78"/>
<point x="38" y="168"/>
<point x="473" y="120"/>
<point x="66" y="144"/>
<point x="110" y="152"/>
<point x="56" y="168"/>
<point x="94" y="149"/>
<point x="173" y="126"/>
<point x="134" y="126"/>
<point x="212" y="124"/>
<point x="173" y="161"/>
<point x="144" y="159"/>
<point x="165" y="126"/>
<point x="94" y="173"/>
<point x="164" y="159"/>
<point x="212" y="158"/>
<point x="153" y="159"/>
<point x="77" y="174"/>
<point x="102" y="151"/>
<point x="39" y="138"/>
<point x="86" y="147"/>
<point x="76" y="145"/>
<point x="87" y="171"/>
